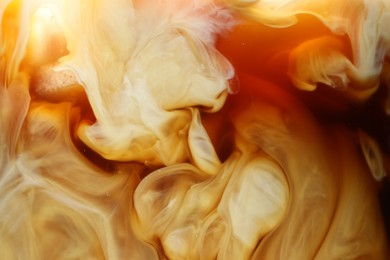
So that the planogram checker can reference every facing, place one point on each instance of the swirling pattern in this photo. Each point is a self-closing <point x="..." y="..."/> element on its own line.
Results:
<point x="192" y="129"/>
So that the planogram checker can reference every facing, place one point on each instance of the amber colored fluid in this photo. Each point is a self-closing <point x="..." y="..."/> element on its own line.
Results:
<point x="259" y="55"/>
<point x="253" y="89"/>
<point x="263" y="52"/>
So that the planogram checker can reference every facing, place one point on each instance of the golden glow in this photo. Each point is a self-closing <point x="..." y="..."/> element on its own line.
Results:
<point x="193" y="129"/>
<point x="44" y="34"/>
